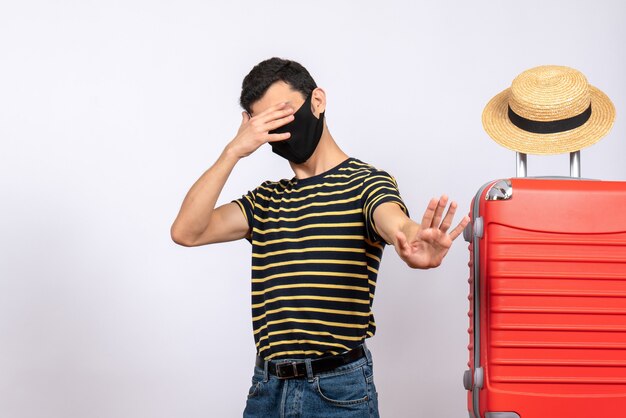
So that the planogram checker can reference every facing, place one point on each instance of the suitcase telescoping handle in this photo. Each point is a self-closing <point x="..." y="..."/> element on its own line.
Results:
<point x="574" y="164"/>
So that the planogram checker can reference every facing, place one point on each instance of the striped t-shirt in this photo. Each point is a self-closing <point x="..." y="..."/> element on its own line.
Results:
<point x="315" y="258"/>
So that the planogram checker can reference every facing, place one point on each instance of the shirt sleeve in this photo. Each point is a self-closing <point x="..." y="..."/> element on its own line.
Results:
<point x="378" y="188"/>
<point x="248" y="201"/>
<point x="246" y="204"/>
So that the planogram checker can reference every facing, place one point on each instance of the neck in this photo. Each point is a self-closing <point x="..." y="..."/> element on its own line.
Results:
<point x="326" y="156"/>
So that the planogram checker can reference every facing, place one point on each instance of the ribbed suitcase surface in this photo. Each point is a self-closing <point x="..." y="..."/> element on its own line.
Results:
<point x="552" y="271"/>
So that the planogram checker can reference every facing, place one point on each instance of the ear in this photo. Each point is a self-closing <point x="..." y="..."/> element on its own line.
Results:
<point x="318" y="101"/>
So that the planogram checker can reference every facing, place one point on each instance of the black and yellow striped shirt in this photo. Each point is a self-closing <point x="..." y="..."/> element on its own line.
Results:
<point x="315" y="259"/>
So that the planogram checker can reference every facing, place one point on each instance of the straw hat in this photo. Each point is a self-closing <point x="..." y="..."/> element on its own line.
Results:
<point x="549" y="110"/>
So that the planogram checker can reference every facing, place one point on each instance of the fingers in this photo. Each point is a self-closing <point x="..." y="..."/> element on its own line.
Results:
<point x="275" y="124"/>
<point x="441" y="206"/>
<point x="447" y="221"/>
<point x="259" y="126"/>
<point x="278" y="137"/>
<point x="434" y="212"/>
<point x="273" y="118"/>
<point x="274" y="112"/>
<point x="429" y="214"/>
<point x="271" y="109"/>
<point x="460" y="227"/>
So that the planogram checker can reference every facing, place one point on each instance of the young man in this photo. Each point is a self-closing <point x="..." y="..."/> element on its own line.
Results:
<point x="317" y="242"/>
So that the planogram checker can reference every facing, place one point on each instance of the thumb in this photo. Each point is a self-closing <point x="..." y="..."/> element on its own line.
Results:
<point x="401" y="242"/>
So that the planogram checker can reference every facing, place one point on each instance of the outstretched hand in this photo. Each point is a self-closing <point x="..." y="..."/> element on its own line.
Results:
<point x="425" y="245"/>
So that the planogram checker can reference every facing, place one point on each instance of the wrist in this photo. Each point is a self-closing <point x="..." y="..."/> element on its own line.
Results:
<point x="230" y="154"/>
<point x="409" y="228"/>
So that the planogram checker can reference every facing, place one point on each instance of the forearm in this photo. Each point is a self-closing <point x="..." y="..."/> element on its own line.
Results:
<point x="389" y="220"/>
<point x="197" y="208"/>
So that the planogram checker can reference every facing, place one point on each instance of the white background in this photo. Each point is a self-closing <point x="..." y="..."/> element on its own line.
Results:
<point x="110" y="110"/>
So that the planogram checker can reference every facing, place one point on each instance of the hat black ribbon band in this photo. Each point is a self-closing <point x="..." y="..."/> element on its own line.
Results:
<point x="551" y="127"/>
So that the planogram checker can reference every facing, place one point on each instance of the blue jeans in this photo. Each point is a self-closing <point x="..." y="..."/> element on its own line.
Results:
<point x="345" y="392"/>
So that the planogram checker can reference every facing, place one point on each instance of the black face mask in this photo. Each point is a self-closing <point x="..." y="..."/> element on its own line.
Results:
<point x="306" y="131"/>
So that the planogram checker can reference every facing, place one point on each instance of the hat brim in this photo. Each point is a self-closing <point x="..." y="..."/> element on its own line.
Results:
<point x="499" y="127"/>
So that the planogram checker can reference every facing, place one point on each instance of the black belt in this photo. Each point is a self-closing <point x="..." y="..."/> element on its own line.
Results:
<point x="291" y="369"/>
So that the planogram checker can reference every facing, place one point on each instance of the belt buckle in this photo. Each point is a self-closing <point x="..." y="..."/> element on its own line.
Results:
<point x="287" y="370"/>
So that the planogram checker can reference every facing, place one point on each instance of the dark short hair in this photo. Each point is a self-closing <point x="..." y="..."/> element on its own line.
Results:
<point x="267" y="72"/>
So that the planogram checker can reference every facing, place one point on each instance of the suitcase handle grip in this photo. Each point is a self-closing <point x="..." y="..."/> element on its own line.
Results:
<point x="574" y="164"/>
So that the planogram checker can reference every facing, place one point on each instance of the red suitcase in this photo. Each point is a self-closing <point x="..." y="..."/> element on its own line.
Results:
<point x="547" y="298"/>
